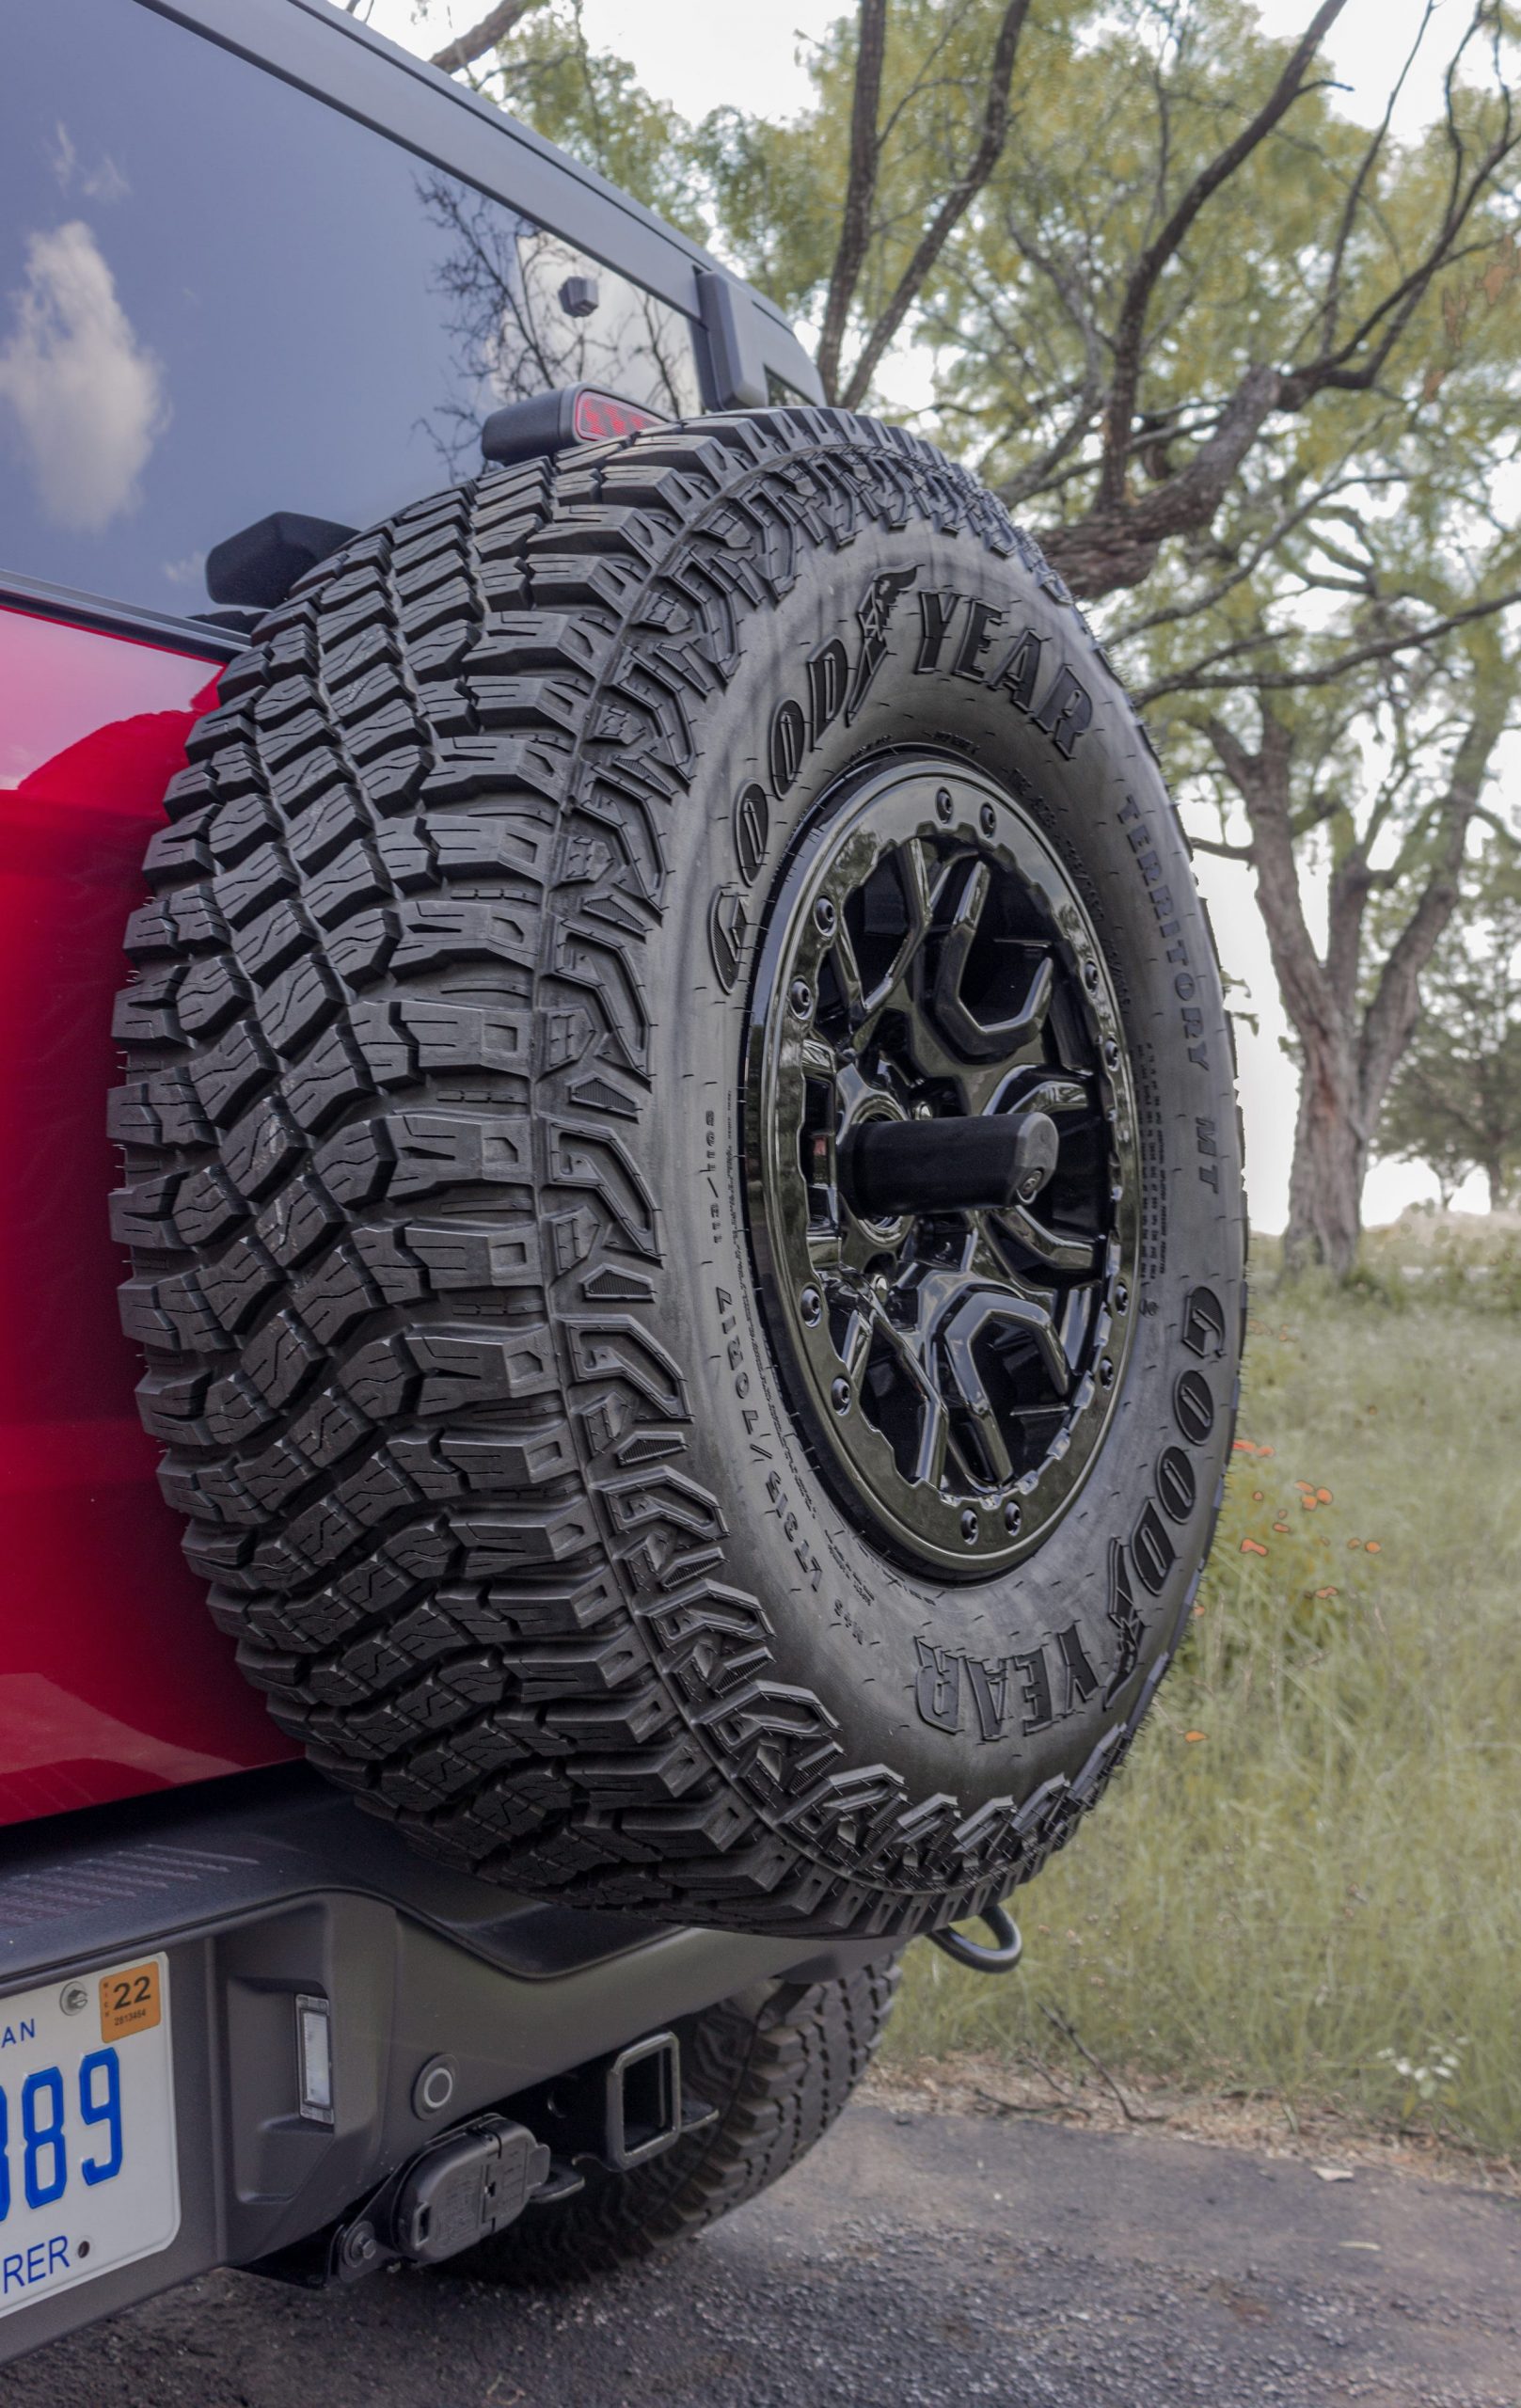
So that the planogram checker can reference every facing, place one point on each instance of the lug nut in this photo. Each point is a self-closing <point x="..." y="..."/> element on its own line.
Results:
<point x="824" y="920"/>
<point x="1012" y="1517"/>
<point x="1122" y="1296"/>
<point x="1111" y="1054"/>
<point x="987" y="818"/>
<point x="969" y="1526"/>
<point x="839" y="1396"/>
<point x="359" y="2244"/>
<point x="811" y="1305"/>
<point x="944" y="803"/>
<point x="1106" y="1373"/>
<point x="1091" y="977"/>
<point x="800" y="996"/>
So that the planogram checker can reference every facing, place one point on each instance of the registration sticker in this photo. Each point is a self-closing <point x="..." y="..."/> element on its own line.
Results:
<point x="129" y="2001"/>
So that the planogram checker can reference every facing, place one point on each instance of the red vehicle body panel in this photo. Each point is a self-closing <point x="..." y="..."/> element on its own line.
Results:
<point x="113" y="1678"/>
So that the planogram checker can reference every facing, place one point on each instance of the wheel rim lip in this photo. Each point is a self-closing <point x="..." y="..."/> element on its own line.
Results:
<point x="859" y="1467"/>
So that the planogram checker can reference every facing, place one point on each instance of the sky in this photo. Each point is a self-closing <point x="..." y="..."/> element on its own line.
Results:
<point x="759" y="61"/>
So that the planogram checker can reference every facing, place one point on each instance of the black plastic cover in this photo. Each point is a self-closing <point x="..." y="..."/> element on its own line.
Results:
<point x="259" y="565"/>
<point x="473" y="2184"/>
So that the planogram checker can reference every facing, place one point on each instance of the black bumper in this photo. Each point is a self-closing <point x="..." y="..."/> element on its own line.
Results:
<point x="272" y="1887"/>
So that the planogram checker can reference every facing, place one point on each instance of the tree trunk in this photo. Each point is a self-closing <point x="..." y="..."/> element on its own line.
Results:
<point x="1330" y="1161"/>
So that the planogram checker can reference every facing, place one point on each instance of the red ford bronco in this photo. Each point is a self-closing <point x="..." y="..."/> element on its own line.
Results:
<point x="616" y="1367"/>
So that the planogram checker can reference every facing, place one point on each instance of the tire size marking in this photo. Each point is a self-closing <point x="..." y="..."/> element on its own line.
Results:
<point x="734" y="1356"/>
<point x="1035" y="1688"/>
<point x="1184" y="984"/>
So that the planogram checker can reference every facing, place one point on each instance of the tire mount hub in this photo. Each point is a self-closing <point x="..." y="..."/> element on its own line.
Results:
<point x="941" y="1161"/>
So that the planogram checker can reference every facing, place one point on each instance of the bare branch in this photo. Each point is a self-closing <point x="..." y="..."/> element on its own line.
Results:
<point x="1217" y="844"/>
<point x="1391" y="1015"/>
<point x="860" y="190"/>
<point x="1199" y="680"/>
<point x="954" y="205"/>
<point x="1130" y="332"/>
<point x="1331" y="309"/>
<point x="492" y="29"/>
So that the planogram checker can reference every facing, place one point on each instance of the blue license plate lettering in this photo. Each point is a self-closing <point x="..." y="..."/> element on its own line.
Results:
<point x="44" y="2139"/>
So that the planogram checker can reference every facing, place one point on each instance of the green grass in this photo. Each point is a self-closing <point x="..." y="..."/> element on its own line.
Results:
<point x="1314" y="1853"/>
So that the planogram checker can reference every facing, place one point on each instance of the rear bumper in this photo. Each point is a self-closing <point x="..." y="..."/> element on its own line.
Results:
<point x="272" y="1887"/>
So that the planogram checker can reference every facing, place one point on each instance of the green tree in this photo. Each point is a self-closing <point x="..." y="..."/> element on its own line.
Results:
<point x="1388" y="789"/>
<point x="1455" y="1101"/>
<point x="1251" y="370"/>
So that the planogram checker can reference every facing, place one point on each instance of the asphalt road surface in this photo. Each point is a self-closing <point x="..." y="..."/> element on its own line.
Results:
<point x="915" y="2257"/>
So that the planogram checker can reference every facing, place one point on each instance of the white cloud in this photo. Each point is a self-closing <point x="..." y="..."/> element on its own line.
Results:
<point x="87" y="396"/>
<point x="106" y="182"/>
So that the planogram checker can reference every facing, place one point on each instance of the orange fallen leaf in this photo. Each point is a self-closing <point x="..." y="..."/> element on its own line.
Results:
<point x="1190" y="1736"/>
<point x="1242" y="1446"/>
<point x="1324" y="1495"/>
<point x="1328" y="1592"/>
<point x="1282" y="1528"/>
<point x="1253" y="1547"/>
<point x="1264" y="1451"/>
<point x="1373" y="1547"/>
<point x="1257" y="1497"/>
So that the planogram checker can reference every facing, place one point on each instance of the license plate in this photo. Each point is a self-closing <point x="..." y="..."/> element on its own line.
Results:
<point x="88" y="2175"/>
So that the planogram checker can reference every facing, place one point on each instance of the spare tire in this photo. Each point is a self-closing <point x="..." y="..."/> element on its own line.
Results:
<point x="684" y="1183"/>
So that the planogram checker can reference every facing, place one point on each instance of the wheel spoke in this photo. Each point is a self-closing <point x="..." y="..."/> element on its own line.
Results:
<point x="919" y="905"/>
<point x="842" y="953"/>
<point x="984" y="1041"/>
<point x="856" y="1342"/>
<point x="1053" y="1095"/>
<point x="961" y="1367"/>
<point x="929" y="1464"/>
<point x="1085" y="1255"/>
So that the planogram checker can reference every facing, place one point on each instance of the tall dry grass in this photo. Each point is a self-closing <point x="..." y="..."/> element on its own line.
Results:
<point x="1308" y="1878"/>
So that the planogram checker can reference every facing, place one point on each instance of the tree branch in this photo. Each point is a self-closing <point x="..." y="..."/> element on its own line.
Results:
<point x="1217" y="846"/>
<point x="954" y="205"/>
<point x="1131" y="329"/>
<point x="860" y="191"/>
<point x="494" y="28"/>
<point x="1262" y="781"/>
<point x="1395" y="1006"/>
<point x="1200" y="680"/>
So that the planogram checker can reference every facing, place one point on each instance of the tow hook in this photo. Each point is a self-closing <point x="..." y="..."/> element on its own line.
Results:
<point x="1008" y="1948"/>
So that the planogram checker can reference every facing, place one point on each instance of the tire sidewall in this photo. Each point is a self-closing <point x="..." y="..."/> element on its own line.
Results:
<point x="963" y="1690"/>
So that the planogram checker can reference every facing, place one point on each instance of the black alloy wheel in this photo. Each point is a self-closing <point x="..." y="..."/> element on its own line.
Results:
<point x="943" y="1191"/>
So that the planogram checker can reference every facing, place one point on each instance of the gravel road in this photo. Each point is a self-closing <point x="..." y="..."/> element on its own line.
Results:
<point x="915" y="2257"/>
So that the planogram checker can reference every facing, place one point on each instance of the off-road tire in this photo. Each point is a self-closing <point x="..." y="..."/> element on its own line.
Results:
<point x="441" y="1258"/>
<point x="779" y="2074"/>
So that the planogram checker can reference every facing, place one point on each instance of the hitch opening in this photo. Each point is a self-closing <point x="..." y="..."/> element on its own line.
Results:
<point x="643" y="2110"/>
